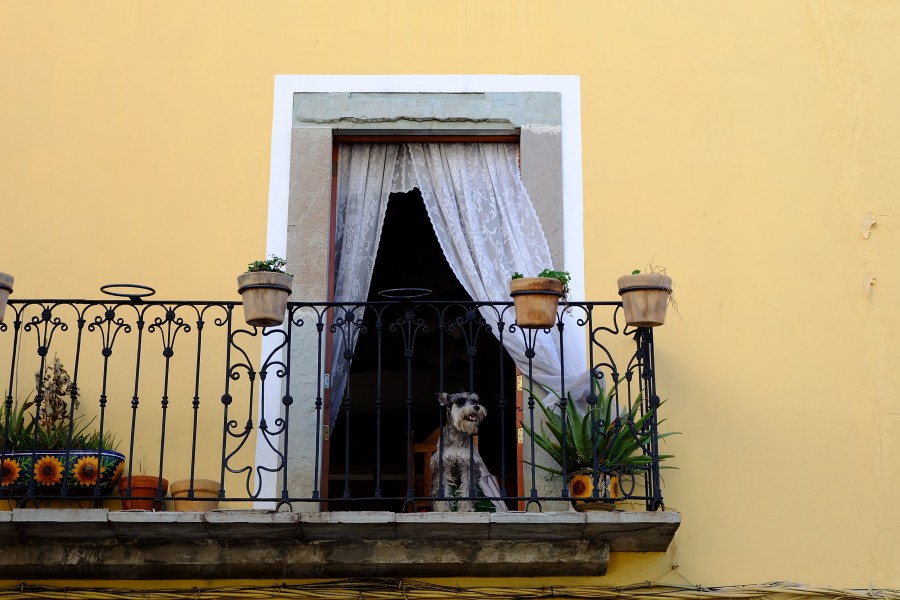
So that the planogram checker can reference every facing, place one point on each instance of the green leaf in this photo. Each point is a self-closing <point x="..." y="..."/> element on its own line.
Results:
<point x="615" y="442"/>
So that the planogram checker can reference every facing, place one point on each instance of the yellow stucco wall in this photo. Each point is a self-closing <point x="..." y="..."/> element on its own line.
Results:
<point x="739" y="144"/>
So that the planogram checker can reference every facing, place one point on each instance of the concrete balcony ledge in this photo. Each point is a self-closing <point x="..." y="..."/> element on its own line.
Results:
<point x="92" y="543"/>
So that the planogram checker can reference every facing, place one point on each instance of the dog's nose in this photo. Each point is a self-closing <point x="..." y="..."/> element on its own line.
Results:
<point x="476" y="406"/>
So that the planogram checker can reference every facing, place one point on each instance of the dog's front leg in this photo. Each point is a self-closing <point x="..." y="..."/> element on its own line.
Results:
<point x="439" y="474"/>
<point x="466" y="490"/>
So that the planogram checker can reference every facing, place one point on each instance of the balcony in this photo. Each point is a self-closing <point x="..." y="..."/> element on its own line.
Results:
<point x="306" y="485"/>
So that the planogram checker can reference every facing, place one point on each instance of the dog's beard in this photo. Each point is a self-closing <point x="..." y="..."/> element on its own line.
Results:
<point x="467" y="420"/>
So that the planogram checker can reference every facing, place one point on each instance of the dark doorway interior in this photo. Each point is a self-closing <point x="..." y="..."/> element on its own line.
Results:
<point x="409" y="256"/>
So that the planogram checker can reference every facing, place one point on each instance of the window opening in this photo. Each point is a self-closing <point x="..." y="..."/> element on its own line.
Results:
<point x="409" y="256"/>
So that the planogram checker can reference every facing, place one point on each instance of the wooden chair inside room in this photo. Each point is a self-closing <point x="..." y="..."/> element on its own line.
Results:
<point x="424" y="450"/>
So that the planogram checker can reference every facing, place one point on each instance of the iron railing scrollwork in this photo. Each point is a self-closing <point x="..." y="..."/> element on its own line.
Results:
<point x="183" y="390"/>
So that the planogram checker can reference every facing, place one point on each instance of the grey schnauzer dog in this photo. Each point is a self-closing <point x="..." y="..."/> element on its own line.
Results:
<point x="458" y="461"/>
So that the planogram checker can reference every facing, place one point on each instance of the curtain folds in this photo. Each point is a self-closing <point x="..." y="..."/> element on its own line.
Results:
<point x="486" y="226"/>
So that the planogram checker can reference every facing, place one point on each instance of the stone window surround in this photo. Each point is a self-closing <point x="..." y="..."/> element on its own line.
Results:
<point x="567" y="86"/>
<point x="317" y="117"/>
<point x="309" y="110"/>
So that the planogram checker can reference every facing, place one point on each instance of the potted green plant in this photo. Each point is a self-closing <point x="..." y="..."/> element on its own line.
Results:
<point x="617" y="443"/>
<point x="56" y="447"/>
<point x="6" y="283"/>
<point x="645" y="297"/>
<point x="265" y="288"/>
<point x="536" y="299"/>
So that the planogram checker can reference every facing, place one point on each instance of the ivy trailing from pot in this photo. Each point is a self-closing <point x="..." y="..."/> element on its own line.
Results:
<point x="537" y="298"/>
<point x="265" y="288"/>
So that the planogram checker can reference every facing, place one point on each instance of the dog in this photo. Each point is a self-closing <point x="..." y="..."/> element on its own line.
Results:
<point x="460" y="459"/>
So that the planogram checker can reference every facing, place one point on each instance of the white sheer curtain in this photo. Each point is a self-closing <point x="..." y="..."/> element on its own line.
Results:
<point x="365" y="173"/>
<point x="485" y="224"/>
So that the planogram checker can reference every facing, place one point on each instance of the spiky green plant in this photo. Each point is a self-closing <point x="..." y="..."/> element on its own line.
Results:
<point x="617" y="441"/>
<point x="20" y="435"/>
<point x="16" y="426"/>
<point x="21" y="430"/>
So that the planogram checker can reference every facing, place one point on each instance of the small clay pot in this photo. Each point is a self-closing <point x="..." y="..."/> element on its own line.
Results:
<point x="645" y="297"/>
<point x="265" y="295"/>
<point x="147" y="492"/>
<point x="536" y="300"/>
<point x="203" y="488"/>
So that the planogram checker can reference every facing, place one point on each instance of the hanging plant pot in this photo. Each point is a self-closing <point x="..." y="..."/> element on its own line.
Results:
<point x="203" y="488"/>
<point x="265" y="295"/>
<point x="645" y="297"/>
<point x="145" y="490"/>
<point x="581" y="490"/>
<point x="536" y="300"/>
<point x="6" y="283"/>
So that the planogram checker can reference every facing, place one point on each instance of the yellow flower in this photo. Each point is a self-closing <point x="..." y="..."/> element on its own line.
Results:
<point x="86" y="471"/>
<point x="614" y="489"/>
<point x="10" y="471"/>
<point x="580" y="486"/>
<point x="48" y="471"/>
<point x="118" y="472"/>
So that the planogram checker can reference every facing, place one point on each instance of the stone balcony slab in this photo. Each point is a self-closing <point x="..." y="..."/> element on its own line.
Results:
<point x="443" y="526"/>
<point x="632" y="531"/>
<point x="252" y="524"/>
<point x="7" y="529"/>
<point x="141" y="525"/>
<point x="255" y="543"/>
<point x="357" y="525"/>
<point x="536" y="526"/>
<point x="63" y="523"/>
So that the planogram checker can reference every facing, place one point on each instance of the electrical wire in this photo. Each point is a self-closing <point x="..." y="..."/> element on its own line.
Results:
<point x="409" y="589"/>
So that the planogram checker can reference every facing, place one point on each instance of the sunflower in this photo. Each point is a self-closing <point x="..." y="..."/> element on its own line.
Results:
<point x="118" y="472"/>
<point x="10" y="471"/>
<point x="580" y="486"/>
<point x="48" y="471"/>
<point x="86" y="471"/>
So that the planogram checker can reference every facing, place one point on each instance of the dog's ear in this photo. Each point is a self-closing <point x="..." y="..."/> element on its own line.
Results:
<point x="443" y="399"/>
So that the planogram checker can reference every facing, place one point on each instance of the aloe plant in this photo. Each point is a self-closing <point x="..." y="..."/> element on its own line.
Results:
<point x="617" y="441"/>
<point x="15" y="432"/>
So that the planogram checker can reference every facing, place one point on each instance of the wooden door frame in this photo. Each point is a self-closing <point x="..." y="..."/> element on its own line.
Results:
<point x="349" y="138"/>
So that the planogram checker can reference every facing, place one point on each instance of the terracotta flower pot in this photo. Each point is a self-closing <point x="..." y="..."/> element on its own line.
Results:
<point x="146" y="492"/>
<point x="6" y="283"/>
<point x="265" y="295"/>
<point x="536" y="300"/>
<point x="581" y="490"/>
<point x="645" y="297"/>
<point x="203" y="488"/>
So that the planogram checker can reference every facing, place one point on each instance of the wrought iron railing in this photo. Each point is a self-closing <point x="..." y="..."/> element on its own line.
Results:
<point x="188" y="390"/>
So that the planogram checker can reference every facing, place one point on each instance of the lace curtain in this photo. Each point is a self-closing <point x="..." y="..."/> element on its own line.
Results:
<point x="485" y="224"/>
<point x="364" y="185"/>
